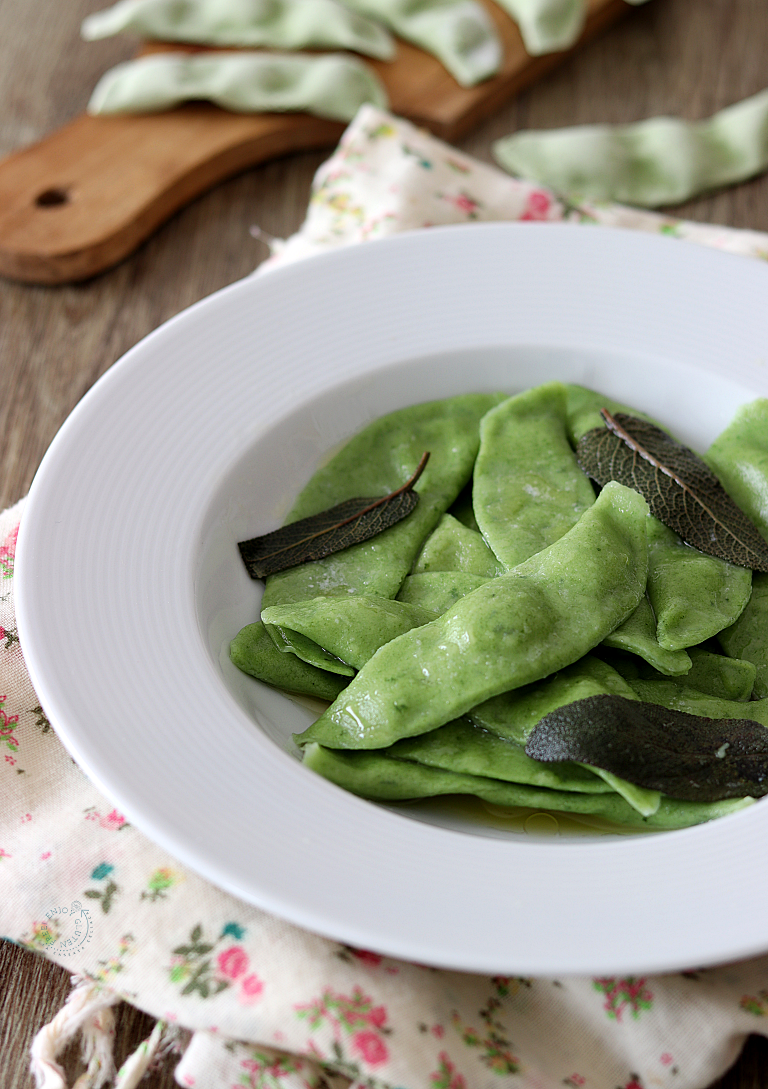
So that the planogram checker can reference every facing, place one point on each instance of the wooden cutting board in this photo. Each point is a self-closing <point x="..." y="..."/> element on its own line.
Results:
<point x="85" y="197"/>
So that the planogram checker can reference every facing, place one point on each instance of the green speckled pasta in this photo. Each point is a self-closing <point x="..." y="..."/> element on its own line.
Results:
<point x="660" y="161"/>
<point x="455" y="547"/>
<point x="748" y="637"/>
<point x="679" y="697"/>
<point x="638" y="636"/>
<point x="513" y="715"/>
<point x="250" y="24"/>
<point x="739" y="457"/>
<point x="503" y="725"/>
<point x="460" y="33"/>
<point x="372" y="775"/>
<point x="376" y="461"/>
<point x="332" y="85"/>
<point x="515" y="629"/>
<point x="438" y="591"/>
<point x="351" y="628"/>
<point x="694" y="596"/>
<point x="528" y="489"/>
<point x="253" y="651"/>
<point x="547" y="26"/>
<point x="460" y="746"/>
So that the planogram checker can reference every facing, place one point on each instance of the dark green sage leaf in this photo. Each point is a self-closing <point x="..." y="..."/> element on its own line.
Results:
<point x="684" y="756"/>
<point x="329" y="531"/>
<point x="681" y="489"/>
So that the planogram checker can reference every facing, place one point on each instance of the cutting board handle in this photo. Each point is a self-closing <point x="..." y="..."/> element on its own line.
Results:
<point x="82" y="199"/>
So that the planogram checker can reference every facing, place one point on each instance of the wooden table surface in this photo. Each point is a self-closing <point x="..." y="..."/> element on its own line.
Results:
<point x="684" y="57"/>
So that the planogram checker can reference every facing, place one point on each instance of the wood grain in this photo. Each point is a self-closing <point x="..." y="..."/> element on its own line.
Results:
<point x="670" y="56"/>
<point x="84" y="197"/>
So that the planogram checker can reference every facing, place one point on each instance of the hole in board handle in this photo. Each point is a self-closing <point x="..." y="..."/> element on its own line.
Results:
<point x="52" y="198"/>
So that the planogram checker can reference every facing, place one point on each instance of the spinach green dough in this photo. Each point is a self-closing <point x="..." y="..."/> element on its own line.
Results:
<point x="694" y="596"/>
<point x="510" y="592"/>
<point x="377" y="461"/>
<point x="372" y="775"/>
<point x="253" y="651"/>
<point x="528" y="489"/>
<point x="350" y="628"/>
<point x="748" y="637"/>
<point x="515" y="629"/>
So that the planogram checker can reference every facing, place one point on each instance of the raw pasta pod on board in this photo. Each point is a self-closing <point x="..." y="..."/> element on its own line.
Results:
<point x="542" y="616"/>
<point x="460" y="33"/>
<point x="250" y="24"/>
<point x="332" y="85"/>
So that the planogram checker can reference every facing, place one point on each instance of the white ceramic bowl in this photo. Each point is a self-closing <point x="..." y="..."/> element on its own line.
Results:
<point x="129" y="585"/>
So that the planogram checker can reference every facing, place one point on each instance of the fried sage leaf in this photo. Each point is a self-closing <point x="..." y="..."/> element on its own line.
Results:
<point x="329" y="531"/>
<point x="683" y="756"/>
<point x="681" y="489"/>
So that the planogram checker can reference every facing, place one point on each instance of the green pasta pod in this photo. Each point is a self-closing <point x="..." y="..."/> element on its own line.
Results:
<point x="332" y="85"/>
<point x="694" y="596"/>
<point x="377" y="776"/>
<point x="515" y="629"/>
<point x="459" y="746"/>
<point x="638" y="636"/>
<point x="739" y="457"/>
<point x="663" y="160"/>
<point x="513" y="716"/>
<point x="670" y="692"/>
<point x="250" y="24"/>
<point x="582" y="411"/>
<point x="547" y="26"/>
<point x="748" y="638"/>
<point x="455" y="547"/>
<point x="255" y="653"/>
<point x="438" y="591"/>
<point x="350" y="628"/>
<point x="460" y="33"/>
<point x="528" y="488"/>
<point x="709" y="673"/>
<point x="377" y="461"/>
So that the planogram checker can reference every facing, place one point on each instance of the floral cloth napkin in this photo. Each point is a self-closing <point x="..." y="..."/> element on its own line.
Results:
<point x="248" y="999"/>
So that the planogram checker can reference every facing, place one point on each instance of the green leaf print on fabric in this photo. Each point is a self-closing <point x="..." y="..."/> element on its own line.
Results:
<point x="355" y="1022"/>
<point x="206" y="976"/>
<point x="446" y="1076"/>
<point x="158" y="884"/>
<point x="110" y="968"/>
<point x="267" y="1069"/>
<point x="621" y="994"/>
<point x="8" y="738"/>
<point x="756" y="1004"/>
<point x="494" y="1045"/>
<point x="106" y="895"/>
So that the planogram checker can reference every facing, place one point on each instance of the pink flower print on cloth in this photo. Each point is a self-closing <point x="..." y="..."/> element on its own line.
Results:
<point x="539" y="206"/>
<point x="8" y="553"/>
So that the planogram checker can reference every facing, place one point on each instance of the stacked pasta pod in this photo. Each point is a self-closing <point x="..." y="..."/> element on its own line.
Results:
<point x="460" y="33"/>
